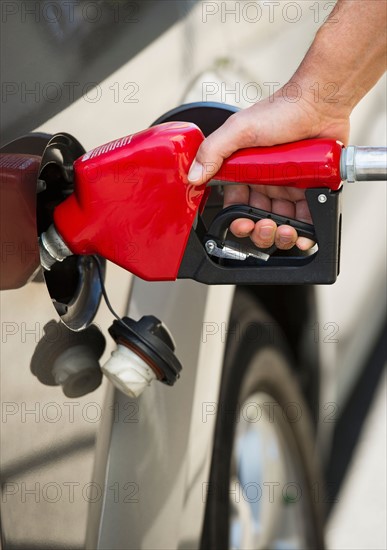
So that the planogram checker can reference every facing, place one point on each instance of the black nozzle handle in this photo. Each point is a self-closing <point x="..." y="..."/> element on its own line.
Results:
<point x="223" y="220"/>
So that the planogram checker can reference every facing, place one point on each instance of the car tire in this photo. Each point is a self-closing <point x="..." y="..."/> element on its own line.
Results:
<point x="258" y="377"/>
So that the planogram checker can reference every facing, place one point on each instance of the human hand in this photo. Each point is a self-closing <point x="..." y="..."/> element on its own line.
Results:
<point x="273" y="121"/>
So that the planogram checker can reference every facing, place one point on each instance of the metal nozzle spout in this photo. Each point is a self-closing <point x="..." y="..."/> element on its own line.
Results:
<point x="52" y="248"/>
<point x="364" y="164"/>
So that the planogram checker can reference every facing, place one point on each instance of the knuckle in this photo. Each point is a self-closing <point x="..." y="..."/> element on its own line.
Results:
<point x="207" y="155"/>
<point x="242" y="127"/>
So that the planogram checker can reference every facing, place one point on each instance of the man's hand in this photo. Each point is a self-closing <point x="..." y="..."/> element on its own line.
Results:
<point x="348" y="51"/>
<point x="270" y="122"/>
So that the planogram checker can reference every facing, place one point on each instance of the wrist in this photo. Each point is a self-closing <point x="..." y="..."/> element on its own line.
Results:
<point x="326" y="97"/>
<point x="316" y="114"/>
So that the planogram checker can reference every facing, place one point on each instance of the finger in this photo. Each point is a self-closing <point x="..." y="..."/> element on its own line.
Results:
<point x="238" y="194"/>
<point x="242" y="227"/>
<point x="302" y="212"/>
<point x="283" y="208"/>
<point x="285" y="237"/>
<point x="259" y="199"/>
<point x="253" y="198"/>
<point x="281" y="192"/>
<point x="235" y="194"/>
<point x="234" y="134"/>
<point x="263" y="234"/>
<point x="304" y="244"/>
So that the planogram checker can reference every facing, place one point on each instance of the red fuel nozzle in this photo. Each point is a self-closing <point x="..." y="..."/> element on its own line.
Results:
<point x="132" y="202"/>
<point x="133" y="205"/>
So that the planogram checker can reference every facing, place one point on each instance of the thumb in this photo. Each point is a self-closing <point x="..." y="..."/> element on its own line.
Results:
<point x="231" y="136"/>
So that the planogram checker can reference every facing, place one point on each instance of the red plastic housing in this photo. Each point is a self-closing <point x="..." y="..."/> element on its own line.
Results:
<point x="304" y="164"/>
<point x="133" y="205"/>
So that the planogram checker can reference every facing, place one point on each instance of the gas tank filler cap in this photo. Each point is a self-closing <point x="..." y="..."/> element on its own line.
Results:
<point x="145" y="352"/>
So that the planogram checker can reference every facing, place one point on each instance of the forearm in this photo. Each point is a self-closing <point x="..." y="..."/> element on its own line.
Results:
<point x="345" y="60"/>
<point x="347" y="57"/>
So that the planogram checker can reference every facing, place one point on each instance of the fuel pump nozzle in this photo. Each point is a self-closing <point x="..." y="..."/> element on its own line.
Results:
<point x="133" y="205"/>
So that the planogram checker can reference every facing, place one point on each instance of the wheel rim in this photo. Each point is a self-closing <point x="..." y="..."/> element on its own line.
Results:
<point x="268" y="508"/>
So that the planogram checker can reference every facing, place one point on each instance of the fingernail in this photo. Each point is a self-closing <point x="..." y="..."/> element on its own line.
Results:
<point x="284" y="240"/>
<point x="266" y="232"/>
<point x="196" y="172"/>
